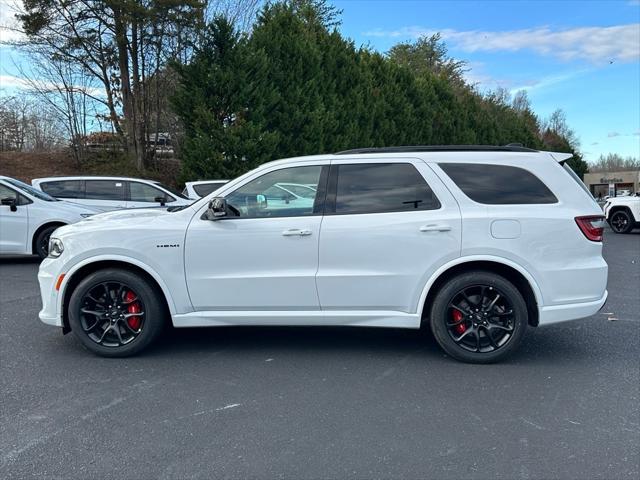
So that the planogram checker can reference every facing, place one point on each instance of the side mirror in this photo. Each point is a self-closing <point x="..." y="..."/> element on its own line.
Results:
<point x="161" y="200"/>
<point x="12" y="203"/>
<point x="217" y="209"/>
<point x="261" y="201"/>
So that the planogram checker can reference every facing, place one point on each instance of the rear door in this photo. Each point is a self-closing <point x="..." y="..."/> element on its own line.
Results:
<point x="388" y="225"/>
<point x="14" y="225"/>
<point x="105" y="194"/>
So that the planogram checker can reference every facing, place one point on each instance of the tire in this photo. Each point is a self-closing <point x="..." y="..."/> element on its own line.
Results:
<point x="483" y="336"/>
<point x="109" y="330"/>
<point x="620" y="221"/>
<point x="42" y="241"/>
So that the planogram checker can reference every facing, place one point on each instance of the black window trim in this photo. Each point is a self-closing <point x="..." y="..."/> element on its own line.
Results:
<point x="332" y="192"/>
<point x="318" y="204"/>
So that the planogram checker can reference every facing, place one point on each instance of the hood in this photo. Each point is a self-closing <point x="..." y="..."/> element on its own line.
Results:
<point x="130" y="215"/>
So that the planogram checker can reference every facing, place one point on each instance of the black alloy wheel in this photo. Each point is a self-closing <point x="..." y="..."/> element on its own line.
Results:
<point x="116" y="312"/>
<point x="478" y="317"/>
<point x="112" y="314"/>
<point x="620" y="221"/>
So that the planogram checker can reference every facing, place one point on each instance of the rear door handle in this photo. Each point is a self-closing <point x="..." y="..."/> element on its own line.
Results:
<point x="296" y="232"/>
<point x="434" y="227"/>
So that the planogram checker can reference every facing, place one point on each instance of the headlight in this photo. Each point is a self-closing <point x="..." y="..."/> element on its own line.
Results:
<point x="55" y="247"/>
<point x="86" y="215"/>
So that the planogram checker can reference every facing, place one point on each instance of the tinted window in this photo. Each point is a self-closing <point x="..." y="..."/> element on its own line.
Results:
<point x="498" y="184"/>
<point x="379" y="187"/>
<point x="205" y="189"/>
<point x="64" y="188"/>
<point x="264" y="197"/>
<point x="104" y="190"/>
<point x="6" y="192"/>
<point x="141" y="192"/>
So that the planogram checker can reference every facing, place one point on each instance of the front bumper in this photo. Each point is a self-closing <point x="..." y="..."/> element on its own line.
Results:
<point x="47" y="276"/>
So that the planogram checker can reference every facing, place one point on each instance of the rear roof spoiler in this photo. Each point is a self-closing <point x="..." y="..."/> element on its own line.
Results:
<point x="560" y="157"/>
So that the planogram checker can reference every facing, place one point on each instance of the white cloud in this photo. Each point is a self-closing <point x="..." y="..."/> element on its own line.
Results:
<point x="613" y="134"/>
<point x="8" y="23"/>
<point x="618" y="43"/>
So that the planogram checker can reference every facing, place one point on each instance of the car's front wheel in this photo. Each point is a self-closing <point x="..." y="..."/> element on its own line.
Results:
<point x="41" y="243"/>
<point x="116" y="313"/>
<point x="620" y="221"/>
<point x="479" y="317"/>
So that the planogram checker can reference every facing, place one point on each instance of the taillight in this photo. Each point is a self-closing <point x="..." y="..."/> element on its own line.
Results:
<point x="592" y="226"/>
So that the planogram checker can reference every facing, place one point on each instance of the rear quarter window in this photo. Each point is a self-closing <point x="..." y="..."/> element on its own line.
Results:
<point x="64" y="188"/>
<point x="498" y="184"/>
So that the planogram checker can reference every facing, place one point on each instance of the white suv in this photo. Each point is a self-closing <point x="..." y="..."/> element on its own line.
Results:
<point x="623" y="213"/>
<point x="201" y="188"/>
<point x="29" y="216"/>
<point x="477" y="242"/>
<point x="111" y="193"/>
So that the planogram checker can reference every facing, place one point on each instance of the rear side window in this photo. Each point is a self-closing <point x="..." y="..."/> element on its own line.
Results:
<point x="104" y="190"/>
<point x="205" y="189"/>
<point x="380" y="188"/>
<point x="498" y="184"/>
<point x="64" y="188"/>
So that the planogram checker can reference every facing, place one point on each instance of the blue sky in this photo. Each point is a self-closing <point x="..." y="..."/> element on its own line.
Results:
<point x="580" y="56"/>
<point x="561" y="52"/>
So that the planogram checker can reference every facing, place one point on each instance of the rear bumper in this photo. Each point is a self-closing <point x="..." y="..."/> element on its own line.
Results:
<point x="571" y="311"/>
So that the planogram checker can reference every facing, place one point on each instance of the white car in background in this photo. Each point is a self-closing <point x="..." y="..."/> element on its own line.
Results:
<point x="623" y="213"/>
<point x="201" y="188"/>
<point x="29" y="216"/>
<point x="111" y="193"/>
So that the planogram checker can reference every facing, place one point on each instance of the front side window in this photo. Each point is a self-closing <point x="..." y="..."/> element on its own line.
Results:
<point x="141" y="192"/>
<point x="30" y="190"/>
<point x="381" y="188"/>
<point x="104" y="190"/>
<point x="266" y="197"/>
<point x="64" y="188"/>
<point x="6" y="192"/>
<point x="498" y="184"/>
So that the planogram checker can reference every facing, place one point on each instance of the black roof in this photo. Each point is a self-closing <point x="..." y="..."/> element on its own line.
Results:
<point x="512" y="147"/>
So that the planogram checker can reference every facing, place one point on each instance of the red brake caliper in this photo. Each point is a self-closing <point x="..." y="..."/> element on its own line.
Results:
<point x="460" y="328"/>
<point x="134" y="322"/>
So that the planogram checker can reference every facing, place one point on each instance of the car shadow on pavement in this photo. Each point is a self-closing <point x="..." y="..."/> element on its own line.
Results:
<point x="544" y="346"/>
<point x="19" y="259"/>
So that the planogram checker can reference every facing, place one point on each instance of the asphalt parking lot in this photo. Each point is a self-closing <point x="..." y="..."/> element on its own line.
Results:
<point x="323" y="403"/>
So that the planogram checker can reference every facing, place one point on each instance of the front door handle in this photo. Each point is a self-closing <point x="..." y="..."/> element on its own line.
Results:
<point x="434" y="227"/>
<point x="296" y="232"/>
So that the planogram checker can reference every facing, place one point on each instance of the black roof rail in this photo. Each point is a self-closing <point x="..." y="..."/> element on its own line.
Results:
<point x="512" y="147"/>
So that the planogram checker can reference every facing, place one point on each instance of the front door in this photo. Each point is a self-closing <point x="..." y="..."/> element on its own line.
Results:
<point x="388" y="225"/>
<point x="264" y="254"/>
<point x="14" y="225"/>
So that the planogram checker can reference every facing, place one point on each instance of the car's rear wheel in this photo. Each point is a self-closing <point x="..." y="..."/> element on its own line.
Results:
<point x="479" y="317"/>
<point x="116" y="313"/>
<point x="620" y="221"/>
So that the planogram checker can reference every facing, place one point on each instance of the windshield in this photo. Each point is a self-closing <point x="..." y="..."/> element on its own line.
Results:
<point x="31" y="191"/>
<point x="172" y="190"/>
